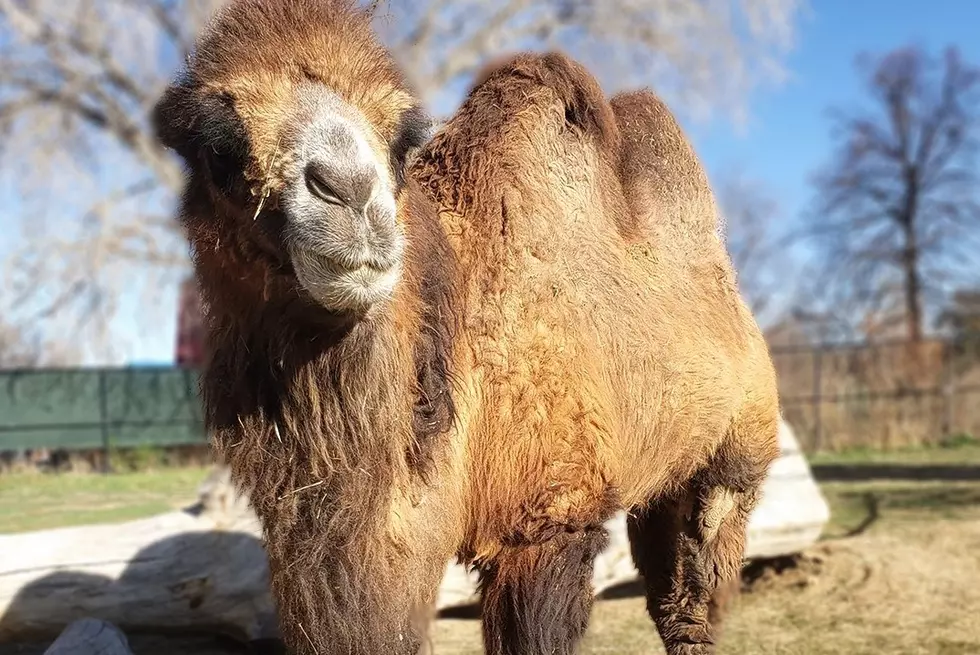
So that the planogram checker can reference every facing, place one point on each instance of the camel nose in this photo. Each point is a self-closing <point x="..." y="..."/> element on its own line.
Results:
<point x="336" y="184"/>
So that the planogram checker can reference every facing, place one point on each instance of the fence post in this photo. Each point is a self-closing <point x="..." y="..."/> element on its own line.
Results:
<point x="104" y="421"/>
<point x="817" y="400"/>
<point x="948" y="388"/>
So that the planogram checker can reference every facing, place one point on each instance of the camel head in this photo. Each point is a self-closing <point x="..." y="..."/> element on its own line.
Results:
<point x="294" y="126"/>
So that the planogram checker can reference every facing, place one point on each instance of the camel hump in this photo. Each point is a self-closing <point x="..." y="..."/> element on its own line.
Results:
<point x="662" y="178"/>
<point x="586" y="106"/>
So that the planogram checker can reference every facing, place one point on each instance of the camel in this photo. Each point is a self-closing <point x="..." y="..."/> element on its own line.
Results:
<point x="477" y="344"/>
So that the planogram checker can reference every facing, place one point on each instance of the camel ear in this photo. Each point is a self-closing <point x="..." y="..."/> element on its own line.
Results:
<point x="172" y="118"/>
<point x="414" y="131"/>
<point x="205" y="130"/>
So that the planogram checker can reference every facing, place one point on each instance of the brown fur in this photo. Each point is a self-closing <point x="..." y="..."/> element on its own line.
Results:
<point x="567" y="340"/>
<point x="317" y="415"/>
<point x="616" y="364"/>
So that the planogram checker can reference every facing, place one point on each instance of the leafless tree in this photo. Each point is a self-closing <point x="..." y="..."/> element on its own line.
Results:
<point x="752" y="232"/>
<point x="19" y="349"/>
<point x="962" y="315"/>
<point x="898" y="204"/>
<point x="704" y="55"/>
<point x="95" y="192"/>
<point x="15" y="350"/>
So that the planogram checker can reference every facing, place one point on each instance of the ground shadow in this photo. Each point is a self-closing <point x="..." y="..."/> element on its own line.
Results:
<point x="912" y="472"/>
<point x="872" y="506"/>
<point x="934" y="498"/>
<point x="162" y="580"/>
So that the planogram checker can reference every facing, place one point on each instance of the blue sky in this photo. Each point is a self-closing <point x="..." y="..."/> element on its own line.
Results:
<point x="785" y="138"/>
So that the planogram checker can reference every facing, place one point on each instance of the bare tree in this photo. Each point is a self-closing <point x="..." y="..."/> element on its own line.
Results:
<point x="898" y="205"/>
<point x="752" y="236"/>
<point x="702" y="54"/>
<point x="15" y="350"/>
<point x="78" y="78"/>
<point x="19" y="349"/>
<point x="962" y="315"/>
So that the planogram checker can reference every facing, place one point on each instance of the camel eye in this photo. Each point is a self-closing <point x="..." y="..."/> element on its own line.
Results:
<point x="223" y="167"/>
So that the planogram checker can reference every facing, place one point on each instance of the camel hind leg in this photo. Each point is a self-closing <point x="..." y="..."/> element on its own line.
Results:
<point x="689" y="547"/>
<point x="537" y="598"/>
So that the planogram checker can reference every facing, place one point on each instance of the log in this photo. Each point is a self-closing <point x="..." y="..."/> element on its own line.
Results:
<point x="204" y="568"/>
<point x="790" y="517"/>
<point x="90" y="637"/>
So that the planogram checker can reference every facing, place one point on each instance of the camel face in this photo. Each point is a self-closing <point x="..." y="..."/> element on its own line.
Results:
<point x="296" y="128"/>
<point x="338" y="204"/>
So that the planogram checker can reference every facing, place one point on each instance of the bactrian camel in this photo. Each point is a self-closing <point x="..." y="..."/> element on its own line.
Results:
<point x="476" y="344"/>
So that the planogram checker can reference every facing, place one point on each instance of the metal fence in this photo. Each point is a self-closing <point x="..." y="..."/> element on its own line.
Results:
<point x="836" y="397"/>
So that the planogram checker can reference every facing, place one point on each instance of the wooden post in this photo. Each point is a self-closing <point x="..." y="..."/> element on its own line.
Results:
<point x="948" y="389"/>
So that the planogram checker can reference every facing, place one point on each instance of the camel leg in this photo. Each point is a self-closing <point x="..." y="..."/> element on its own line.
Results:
<point x="689" y="548"/>
<point x="537" y="598"/>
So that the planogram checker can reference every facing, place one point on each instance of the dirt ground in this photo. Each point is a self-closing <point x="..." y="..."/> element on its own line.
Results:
<point x="909" y="590"/>
<point x="898" y="574"/>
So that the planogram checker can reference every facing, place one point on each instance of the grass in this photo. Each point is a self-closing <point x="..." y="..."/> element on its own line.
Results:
<point x="896" y="572"/>
<point x="34" y="501"/>
<point x="957" y="450"/>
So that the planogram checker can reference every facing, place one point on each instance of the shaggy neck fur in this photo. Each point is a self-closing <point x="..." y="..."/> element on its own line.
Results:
<point x="346" y="409"/>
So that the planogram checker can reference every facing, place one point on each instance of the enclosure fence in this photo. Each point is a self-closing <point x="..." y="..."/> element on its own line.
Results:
<point x="880" y="396"/>
<point x="886" y="395"/>
<point x="84" y="409"/>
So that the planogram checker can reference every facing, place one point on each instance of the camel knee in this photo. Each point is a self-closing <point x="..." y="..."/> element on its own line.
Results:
<point x="721" y="530"/>
<point x="718" y="506"/>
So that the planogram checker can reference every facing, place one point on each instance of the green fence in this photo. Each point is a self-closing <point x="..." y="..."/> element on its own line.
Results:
<point x="79" y="409"/>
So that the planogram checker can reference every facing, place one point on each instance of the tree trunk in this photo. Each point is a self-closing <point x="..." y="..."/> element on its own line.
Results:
<point x="203" y="568"/>
<point x="913" y="295"/>
<point x="910" y="260"/>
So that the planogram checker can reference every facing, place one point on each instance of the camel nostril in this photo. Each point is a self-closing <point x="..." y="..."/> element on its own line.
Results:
<point x="318" y="181"/>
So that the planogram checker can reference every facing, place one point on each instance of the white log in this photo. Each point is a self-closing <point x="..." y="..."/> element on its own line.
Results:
<point x="203" y="568"/>
<point x="206" y="569"/>
<point x="90" y="637"/>
<point x="790" y="517"/>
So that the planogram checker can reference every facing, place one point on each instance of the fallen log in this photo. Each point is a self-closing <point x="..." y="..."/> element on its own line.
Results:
<point x="90" y="637"/>
<point x="198" y="569"/>
<point x="204" y="569"/>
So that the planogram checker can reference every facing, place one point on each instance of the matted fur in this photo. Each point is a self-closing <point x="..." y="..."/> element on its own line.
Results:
<point x="567" y="340"/>
<point x="614" y="363"/>
<point x="324" y="419"/>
